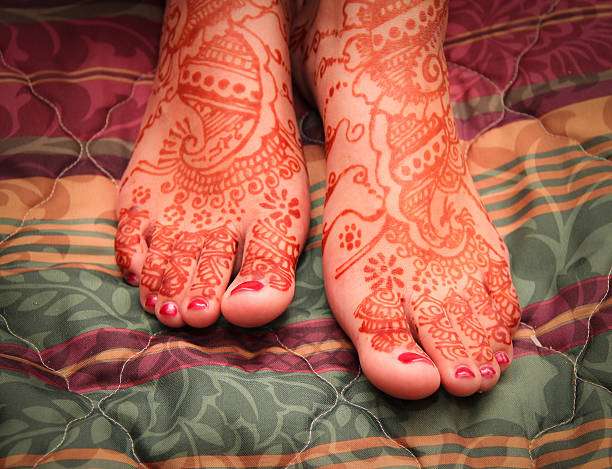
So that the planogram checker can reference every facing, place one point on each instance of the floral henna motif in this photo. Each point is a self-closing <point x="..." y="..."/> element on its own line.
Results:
<point x="272" y="252"/>
<point x="431" y="218"/>
<point x="222" y="143"/>
<point x="382" y="312"/>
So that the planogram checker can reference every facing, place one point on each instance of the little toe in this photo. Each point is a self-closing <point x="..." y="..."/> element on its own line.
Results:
<point x="201" y="305"/>
<point x="130" y="244"/>
<point x="265" y="285"/>
<point x="459" y="373"/>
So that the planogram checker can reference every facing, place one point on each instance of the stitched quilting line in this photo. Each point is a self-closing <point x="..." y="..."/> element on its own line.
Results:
<point x="93" y="405"/>
<point x="535" y="340"/>
<point x="56" y="373"/>
<point x="116" y="390"/>
<point x="83" y="148"/>
<point x="84" y="151"/>
<point x="339" y="397"/>
<point x="505" y="108"/>
<point x="575" y="377"/>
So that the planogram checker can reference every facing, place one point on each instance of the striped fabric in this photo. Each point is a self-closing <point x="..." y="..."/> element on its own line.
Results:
<point x="88" y="380"/>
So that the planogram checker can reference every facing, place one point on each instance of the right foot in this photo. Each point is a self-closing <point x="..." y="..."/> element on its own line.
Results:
<point x="217" y="183"/>
<point x="414" y="270"/>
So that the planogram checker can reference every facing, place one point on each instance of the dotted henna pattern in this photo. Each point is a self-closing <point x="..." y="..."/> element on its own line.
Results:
<point x="393" y="61"/>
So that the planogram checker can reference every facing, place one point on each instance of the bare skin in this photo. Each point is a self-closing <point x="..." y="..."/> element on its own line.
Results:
<point x="415" y="272"/>
<point x="217" y="183"/>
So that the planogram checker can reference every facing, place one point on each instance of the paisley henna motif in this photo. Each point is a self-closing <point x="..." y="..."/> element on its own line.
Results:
<point x="223" y="143"/>
<point x="427" y="232"/>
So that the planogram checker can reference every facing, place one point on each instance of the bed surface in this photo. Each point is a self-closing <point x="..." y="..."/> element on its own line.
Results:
<point x="87" y="379"/>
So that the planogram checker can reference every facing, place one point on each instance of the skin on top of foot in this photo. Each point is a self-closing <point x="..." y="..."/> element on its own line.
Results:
<point x="415" y="272"/>
<point x="217" y="184"/>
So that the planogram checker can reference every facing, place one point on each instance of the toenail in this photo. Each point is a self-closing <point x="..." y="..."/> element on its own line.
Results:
<point x="151" y="300"/>
<point x="487" y="371"/>
<point x="502" y="358"/>
<point x="464" y="372"/>
<point x="198" y="304"/>
<point x="409" y="357"/>
<point x="251" y="285"/>
<point x="168" y="309"/>
<point x="131" y="278"/>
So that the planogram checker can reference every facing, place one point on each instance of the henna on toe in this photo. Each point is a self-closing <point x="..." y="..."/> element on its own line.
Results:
<point x="413" y="266"/>
<point x="217" y="172"/>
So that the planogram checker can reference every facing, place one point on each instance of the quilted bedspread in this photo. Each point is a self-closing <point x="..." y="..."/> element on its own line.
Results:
<point x="87" y="379"/>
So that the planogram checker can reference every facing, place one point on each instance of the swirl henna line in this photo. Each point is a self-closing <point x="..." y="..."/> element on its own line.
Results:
<point x="422" y="219"/>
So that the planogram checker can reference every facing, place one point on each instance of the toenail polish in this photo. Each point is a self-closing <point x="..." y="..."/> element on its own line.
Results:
<point x="502" y="358"/>
<point x="251" y="285"/>
<point x="131" y="278"/>
<point x="409" y="357"/>
<point x="198" y="304"/>
<point x="151" y="301"/>
<point x="168" y="309"/>
<point x="464" y="372"/>
<point x="487" y="371"/>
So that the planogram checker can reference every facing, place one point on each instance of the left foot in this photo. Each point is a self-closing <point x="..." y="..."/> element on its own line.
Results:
<point x="217" y="183"/>
<point x="411" y="258"/>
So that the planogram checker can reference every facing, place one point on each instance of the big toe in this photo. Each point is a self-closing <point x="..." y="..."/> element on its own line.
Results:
<point x="406" y="372"/>
<point x="264" y="287"/>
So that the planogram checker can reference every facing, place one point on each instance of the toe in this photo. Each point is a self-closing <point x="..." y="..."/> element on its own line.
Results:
<point x="505" y="313"/>
<point x="389" y="357"/>
<point x="160" y="240"/>
<point x="201" y="305"/>
<point x="403" y="371"/>
<point x="459" y="373"/>
<point x="175" y="280"/>
<point x="130" y="244"/>
<point x="265" y="285"/>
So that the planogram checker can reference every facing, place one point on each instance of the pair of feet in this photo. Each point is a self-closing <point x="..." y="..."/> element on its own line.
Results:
<point x="415" y="273"/>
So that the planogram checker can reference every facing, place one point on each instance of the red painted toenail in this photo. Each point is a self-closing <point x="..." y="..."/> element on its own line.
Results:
<point x="168" y="309"/>
<point x="151" y="300"/>
<point x="502" y="358"/>
<point x="251" y="285"/>
<point x="464" y="372"/>
<point x="131" y="278"/>
<point x="198" y="304"/>
<point x="487" y="371"/>
<point x="409" y="357"/>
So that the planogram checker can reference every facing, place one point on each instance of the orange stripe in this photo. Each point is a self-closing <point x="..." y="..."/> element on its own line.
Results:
<point x="57" y="258"/>
<point x="342" y="446"/>
<point x="435" y="460"/>
<point x="84" y="454"/>
<point x="511" y="175"/>
<point x="564" y="454"/>
<point x="524" y="19"/>
<point x="67" y="240"/>
<point x="540" y="192"/>
<point x="67" y="265"/>
<point x="122" y="354"/>
<point x="540" y="179"/>
<point x="503" y="32"/>
<point x="67" y="226"/>
<point x="574" y="314"/>
<point x="542" y="209"/>
<point x="136" y="82"/>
